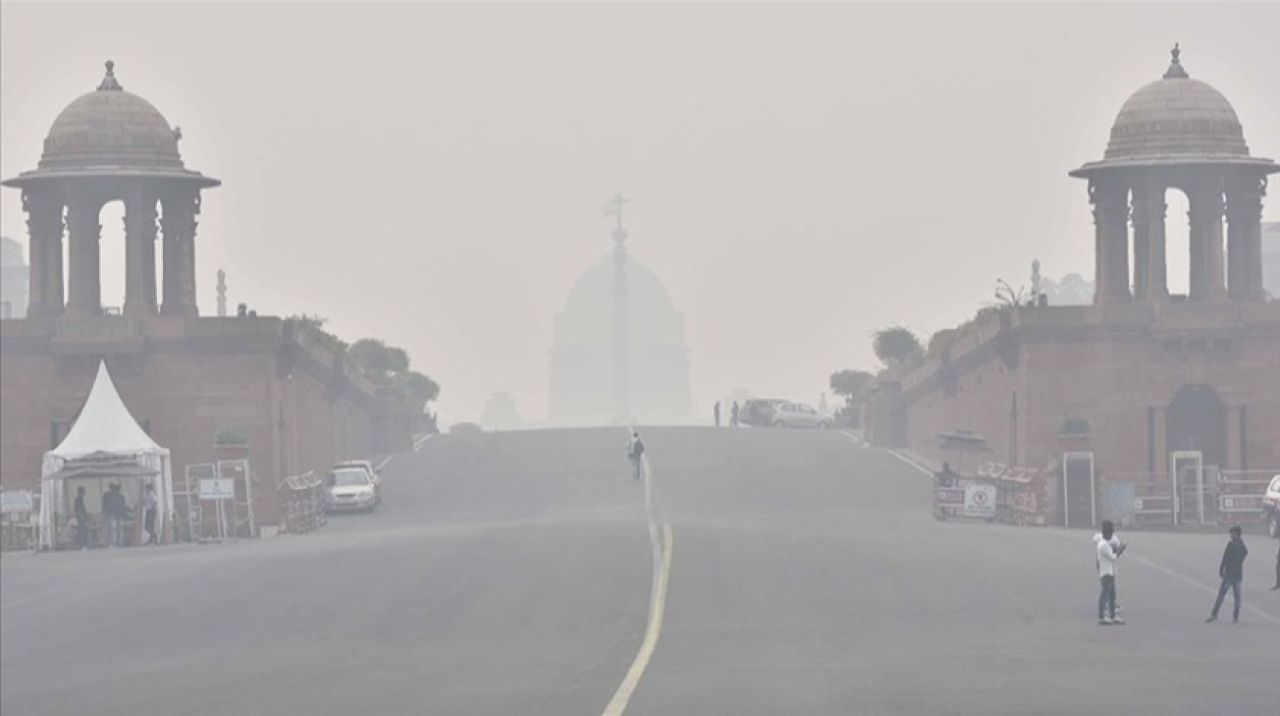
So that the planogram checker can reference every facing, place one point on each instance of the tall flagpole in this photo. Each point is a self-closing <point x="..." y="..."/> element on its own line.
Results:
<point x="621" y="330"/>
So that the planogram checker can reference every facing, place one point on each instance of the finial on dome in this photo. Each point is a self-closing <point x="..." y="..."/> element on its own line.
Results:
<point x="109" y="81"/>
<point x="1176" y="70"/>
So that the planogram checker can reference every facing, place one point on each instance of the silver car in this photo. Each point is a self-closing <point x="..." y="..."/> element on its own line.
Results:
<point x="351" y="489"/>
<point x="799" y="415"/>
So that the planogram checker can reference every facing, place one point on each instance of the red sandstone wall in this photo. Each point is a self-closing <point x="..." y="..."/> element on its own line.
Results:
<point x="185" y="395"/>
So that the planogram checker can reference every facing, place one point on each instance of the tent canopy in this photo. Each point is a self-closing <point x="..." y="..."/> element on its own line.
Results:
<point x="105" y="443"/>
<point x="104" y="425"/>
<point x="102" y="465"/>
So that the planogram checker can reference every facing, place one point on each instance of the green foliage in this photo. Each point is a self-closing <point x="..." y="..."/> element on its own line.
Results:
<point x="852" y="384"/>
<point x="388" y="365"/>
<point x="314" y="327"/>
<point x="896" y="346"/>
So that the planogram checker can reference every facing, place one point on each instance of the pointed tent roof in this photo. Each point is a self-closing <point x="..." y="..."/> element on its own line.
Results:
<point x="105" y="425"/>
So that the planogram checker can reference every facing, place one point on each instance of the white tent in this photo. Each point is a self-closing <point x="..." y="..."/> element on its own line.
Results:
<point x="104" y="426"/>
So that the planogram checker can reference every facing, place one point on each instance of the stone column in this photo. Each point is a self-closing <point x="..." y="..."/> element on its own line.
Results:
<point x="84" y="294"/>
<point x="1205" y="216"/>
<point x="1244" y="237"/>
<point x="1149" y="267"/>
<point x="44" y="228"/>
<point x="139" y="238"/>
<point x="178" y="223"/>
<point x="1110" y="199"/>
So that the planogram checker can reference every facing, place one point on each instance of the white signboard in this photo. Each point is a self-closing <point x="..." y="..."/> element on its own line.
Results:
<point x="217" y="489"/>
<point x="17" y="501"/>
<point x="979" y="501"/>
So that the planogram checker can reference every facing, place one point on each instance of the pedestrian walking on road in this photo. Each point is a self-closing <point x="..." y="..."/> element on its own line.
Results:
<point x="635" y="452"/>
<point x="733" y="415"/>
<point x="149" y="506"/>
<point x="82" y="520"/>
<point x="1231" y="570"/>
<point x="1107" y="556"/>
<point x="717" y="413"/>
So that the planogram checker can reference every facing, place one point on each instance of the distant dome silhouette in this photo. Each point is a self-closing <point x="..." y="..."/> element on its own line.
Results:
<point x="582" y="353"/>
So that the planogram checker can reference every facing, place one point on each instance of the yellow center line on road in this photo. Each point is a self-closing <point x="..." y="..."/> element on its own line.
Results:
<point x="657" y="606"/>
<point x="662" y="542"/>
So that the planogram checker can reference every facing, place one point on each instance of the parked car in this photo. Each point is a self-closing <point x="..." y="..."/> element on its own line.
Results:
<point x="758" y="412"/>
<point x="799" y="415"/>
<point x="1271" y="506"/>
<point x="351" y="489"/>
<point x="367" y="467"/>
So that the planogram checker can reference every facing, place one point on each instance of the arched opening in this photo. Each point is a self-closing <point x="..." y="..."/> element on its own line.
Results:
<point x="112" y="256"/>
<point x="1177" y="233"/>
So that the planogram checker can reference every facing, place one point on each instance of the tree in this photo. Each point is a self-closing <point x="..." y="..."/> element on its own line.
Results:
<point x="314" y="326"/>
<point x="851" y="384"/>
<point x="378" y="362"/>
<point x="418" y="388"/>
<point x="896" y="346"/>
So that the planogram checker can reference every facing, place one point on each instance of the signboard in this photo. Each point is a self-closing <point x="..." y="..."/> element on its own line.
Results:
<point x="217" y="489"/>
<point x="979" y="501"/>
<point x="17" y="501"/>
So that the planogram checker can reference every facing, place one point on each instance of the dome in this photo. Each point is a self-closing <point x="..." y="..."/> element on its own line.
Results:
<point x="110" y="127"/>
<point x="582" y="357"/>
<point x="1176" y="116"/>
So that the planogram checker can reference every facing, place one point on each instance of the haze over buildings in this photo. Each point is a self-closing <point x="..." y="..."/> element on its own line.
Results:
<point x="888" y="170"/>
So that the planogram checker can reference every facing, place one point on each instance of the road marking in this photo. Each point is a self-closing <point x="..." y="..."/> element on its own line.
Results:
<point x="911" y="462"/>
<point x="417" y="445"/>
<point x="661" y="541"/>
<point x="382" y="463"/>
<point x="1201" y="586"/>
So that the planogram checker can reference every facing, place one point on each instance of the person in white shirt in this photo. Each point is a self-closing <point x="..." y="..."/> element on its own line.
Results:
<point x="1107" y="556"/>
<point x="1115" y="546"/>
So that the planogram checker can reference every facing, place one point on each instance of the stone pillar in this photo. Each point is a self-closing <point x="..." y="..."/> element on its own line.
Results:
<point x="1205" y="216"/>
<point x="84" y="294"/>
<point x="1110" y="199"/>
<point x="140" y="246"/>
<point x="178" y="224"/>
<point x="1244" y="237"/>
<point x="1149" y="269"/>
<point x="44" y="229"/>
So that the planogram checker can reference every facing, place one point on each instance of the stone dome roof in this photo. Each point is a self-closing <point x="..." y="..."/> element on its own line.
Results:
<point x="110" y="127"/>
<point x="1174" y="116"/>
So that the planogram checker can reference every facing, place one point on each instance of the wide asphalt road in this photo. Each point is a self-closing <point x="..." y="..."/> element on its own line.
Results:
<point x="512" y="574"/>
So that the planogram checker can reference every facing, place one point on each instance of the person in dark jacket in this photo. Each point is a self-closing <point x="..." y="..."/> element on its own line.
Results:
<point x="1231" y="570"/>
<point x="82" y="520"/>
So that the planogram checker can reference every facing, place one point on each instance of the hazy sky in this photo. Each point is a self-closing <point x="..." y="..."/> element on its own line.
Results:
<point x="800" y="175"/>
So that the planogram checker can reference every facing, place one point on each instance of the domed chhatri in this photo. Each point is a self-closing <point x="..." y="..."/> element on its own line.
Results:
<point x="110" y="127"/>
<point x="111" y="145"/>
<point x="1175" y="119"/>
<point x="1177" y="133"/>
<point x="111" y="132"/>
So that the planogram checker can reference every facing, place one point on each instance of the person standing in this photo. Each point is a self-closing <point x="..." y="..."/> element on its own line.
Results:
<point x="635" y="452"/>
<point x="1277" y="570"/>
<point x="149" y="506"/>
<point x="717" y="411"/>
<point x="82" y="520"/>
<point x="733" y="415"/>
<point x="1107" y="556"/>
<point x="1231" y="570"/>
<point x="114" y="510"/>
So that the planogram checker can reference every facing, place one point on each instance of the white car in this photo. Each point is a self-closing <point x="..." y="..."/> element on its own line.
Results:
<point x="1271" y="506"/>
<point x="351" y="489"/>
<point x="367" y="467"/>
<point x="799" y="415"/>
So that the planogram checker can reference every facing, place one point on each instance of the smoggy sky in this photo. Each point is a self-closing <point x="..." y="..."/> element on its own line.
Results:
<point x="800" y="175"/>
